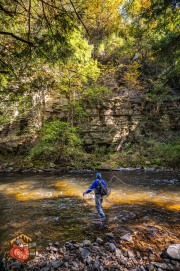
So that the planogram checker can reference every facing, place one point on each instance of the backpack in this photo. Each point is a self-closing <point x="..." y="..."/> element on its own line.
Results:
<point x="103" y="189"/>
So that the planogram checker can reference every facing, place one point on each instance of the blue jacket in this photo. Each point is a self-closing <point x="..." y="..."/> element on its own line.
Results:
<point x="95" y="185"/>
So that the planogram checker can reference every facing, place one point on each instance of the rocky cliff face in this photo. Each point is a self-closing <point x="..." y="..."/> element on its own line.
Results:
<point x="110" y="123"/>
<point x="127" y="116"/>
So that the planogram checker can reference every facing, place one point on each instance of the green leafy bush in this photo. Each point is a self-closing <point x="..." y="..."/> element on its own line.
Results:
<point x="58" y="140"/>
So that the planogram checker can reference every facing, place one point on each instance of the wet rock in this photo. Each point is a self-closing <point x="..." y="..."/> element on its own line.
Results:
<point x="146" y="218"/>
<point x="149" y="169"/>
<point x="173" y="251"/>
<point x="127" y="237"/>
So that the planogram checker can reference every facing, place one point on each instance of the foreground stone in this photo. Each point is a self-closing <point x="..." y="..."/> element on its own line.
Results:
<point x="101" y="255"/>
<point x="173" y="251"/>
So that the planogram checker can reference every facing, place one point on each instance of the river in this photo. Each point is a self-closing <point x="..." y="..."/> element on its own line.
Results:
<point x="50" y="207"/>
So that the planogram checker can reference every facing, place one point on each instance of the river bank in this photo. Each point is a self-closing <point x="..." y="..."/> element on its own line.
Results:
<point x="12" y="169"/>
<point x="100" y="255"/>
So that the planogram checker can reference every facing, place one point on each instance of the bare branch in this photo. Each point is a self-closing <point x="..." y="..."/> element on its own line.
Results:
<point x="16" y="37"/>
<point x="46" y="19"/>
<point x="4" y="72"/>
<point x="21" y="4"/>
<point x="8" y="12"/>
<point x="77" y="14"/>
<point x="29" y="25"/>
<point x="29" y="20"/>
<point x="7" y="66"/>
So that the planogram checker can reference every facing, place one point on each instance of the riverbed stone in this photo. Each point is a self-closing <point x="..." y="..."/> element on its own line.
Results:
<point x="118" y="252"/>
<point x="163" y="266"/>
<point x="56" y="244"/>
<point x="111" y="246"/>
<point x="84" y="252"/>
<point x="110" y="235"/>
<point x="87" y="243"/>
<point x="150" y="267"/>
<point x="75" y="264"/>
<point x="16" y="266"/>
<point x="56" y="264"/>
<point x="54" y="249"/>
<point x="173" y="251"/>
<point x="152" y="257"/>
<point x="130" y="253"/>
<point x="45" y="268"/>
<point x="99" y="240"/>
<point x="127" y="237"/>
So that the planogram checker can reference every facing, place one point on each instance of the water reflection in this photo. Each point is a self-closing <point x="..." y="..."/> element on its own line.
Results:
<point x="30" y="204"/>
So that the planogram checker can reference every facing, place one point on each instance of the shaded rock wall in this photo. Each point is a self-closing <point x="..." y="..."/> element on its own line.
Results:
<point x="111" y="123"/>
<point x="128" y="115"/>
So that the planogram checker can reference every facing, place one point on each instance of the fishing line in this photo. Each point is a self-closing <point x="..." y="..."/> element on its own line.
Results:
<point x="114" y="176"/>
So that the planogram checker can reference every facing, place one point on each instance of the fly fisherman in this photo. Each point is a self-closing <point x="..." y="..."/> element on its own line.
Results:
<point x="98" y="196"/>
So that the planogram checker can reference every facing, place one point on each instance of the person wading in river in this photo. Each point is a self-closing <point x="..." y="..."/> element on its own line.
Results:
<point x="97" y="186"/>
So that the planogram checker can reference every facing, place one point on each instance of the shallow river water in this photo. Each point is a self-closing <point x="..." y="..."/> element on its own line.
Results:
<point x="50" y="207"/>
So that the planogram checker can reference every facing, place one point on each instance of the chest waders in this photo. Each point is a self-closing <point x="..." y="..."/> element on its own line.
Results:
<point x="98" y="202"/>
